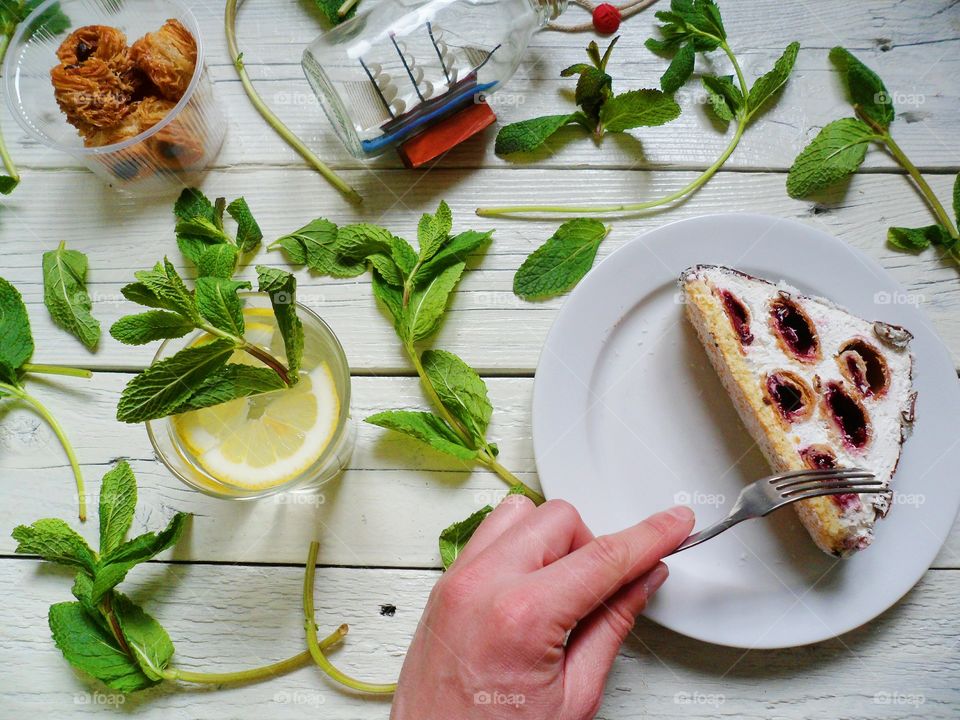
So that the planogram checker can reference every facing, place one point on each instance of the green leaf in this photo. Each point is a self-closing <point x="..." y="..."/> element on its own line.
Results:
<point x="149" y="326"/>
<point x="168" y="288"/>
<point x="427" y="304"/>
<point x="593" y="52"/>
<point x="835" y="153"/>
<point x="118" y="500"/>
<point x="638" y="108"/>
<point x="679" y="70"/>
<point x="83" y="591"/>
<point x="425" y="427"/>
<point x="8" y="184"/>
<point x="725" y="97"/>
<point x="166" y="384"/>
<point x="199" y="224"/>
<point x="576" y="69"/>
<point x="594" y="88"/>
<point x="390" y="297"/>
<point x="461" y="390"/>
<point x="16" y="342"/>
<point x="65" y="294"/>
<point x="249" y="234"/>
<point x="562" y="261"/>
<point x="282" y="288"/>
<point x="433" y="231"/>
<point x="455" y="251"/>
<point x="766" y="86"/>
<point x="192" y="203"/>
<point x="387" y="269"/>
<point x="218" y="261"/>
<point x="55" y="541"/>
<point x="220" y="305"/>
<point x="404" y="255"/>
<point x="315" y="245"/>
<point x="528" y="135"/>
<point x="117" y="563"/>
<point x="8" y="376"/>
<point x="90" y="648"/>
<point x="917" y="239"/>
<point x="330" y="10"/>
<point x="607" y="53"/>
<point x="230" y="383"/>
<point x="148" y="641"/>
<point x="362" y="240"/>
<point x="864" y="87"/>
<point x="455" y="538"/>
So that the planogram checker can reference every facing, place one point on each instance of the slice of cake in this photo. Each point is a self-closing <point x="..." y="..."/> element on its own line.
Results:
<point x="816" y="387"/>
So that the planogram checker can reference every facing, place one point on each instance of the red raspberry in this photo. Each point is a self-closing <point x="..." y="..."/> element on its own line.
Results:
<point x="606" y="19"/>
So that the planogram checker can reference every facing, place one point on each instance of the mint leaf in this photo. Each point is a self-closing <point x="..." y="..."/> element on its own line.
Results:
<point x="725" y="97"/>
<point x="390" y="297"/>
<point x="864" y="87"/>
<point x="118" y="500"/>
<point x="836" y="152"/>
<point x="65" y="294"/>
<point x="594" y="88"/>
<point x="428" y="304"/>
<point x="766" y="86"/>
<point x="315" y="245"/>
<point x="361" y="240"/>
<point x="282" y="288"/>
<point x="57" y="542"/>
<point x="115" y="564"/>
<point x="199" y="224"/>
<point x="453" y="252"/>
<point x="218" y="261"/>
<point x="433" y="231"/>
<point x="83" y="591"/>
<point x="149" y="326"/>
<point x="16" y="342"/>
<point x="249" y="234"/>
<point x="220" y="305"/>
<point x="562" y="261"/>
<point x="388" y="269"/>
<point x="528" y="135"/>
<point x="455" y="538"/>
<point x="917" y="239"/>
<point x="90" y="648"/>
<point x="461" y="390"/>
<point x="148" y="641"/>
<point x="167" y="288"/>
<point x="679" y="70"/>
<point x="330" y="10"/>
<point x="638" y="108"/>
<point x="425" y="427"/>
<point x="166" y="384"/>
<point x="232" y="382"/>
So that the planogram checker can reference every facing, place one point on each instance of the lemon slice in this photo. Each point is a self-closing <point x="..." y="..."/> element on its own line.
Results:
<point x="266" y="440"/>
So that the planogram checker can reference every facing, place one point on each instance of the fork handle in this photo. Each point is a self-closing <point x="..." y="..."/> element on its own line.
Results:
<point x="728" y="522"/>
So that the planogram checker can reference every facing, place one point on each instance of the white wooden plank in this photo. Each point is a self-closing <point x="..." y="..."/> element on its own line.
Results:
<point x="225" y="618"/>
<point x="487" y="324"/>
<point x="387" y="510"/>
<point x="918" y="58"/>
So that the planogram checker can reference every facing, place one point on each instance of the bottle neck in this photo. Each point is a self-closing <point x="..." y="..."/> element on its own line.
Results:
<point x="548" y="10"/>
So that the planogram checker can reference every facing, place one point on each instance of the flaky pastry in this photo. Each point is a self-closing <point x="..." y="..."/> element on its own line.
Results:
<point x="168" y="57"/>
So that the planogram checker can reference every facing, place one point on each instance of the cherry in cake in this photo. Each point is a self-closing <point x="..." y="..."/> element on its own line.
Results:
<point x="816" y="387"/>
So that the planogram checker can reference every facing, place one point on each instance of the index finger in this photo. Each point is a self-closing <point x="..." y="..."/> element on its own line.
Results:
<point x="580" y="582"/>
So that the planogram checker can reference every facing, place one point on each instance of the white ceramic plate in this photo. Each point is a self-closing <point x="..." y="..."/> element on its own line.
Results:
<point x="630" y="418"/>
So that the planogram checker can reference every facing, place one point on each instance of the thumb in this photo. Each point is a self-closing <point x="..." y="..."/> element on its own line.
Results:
<point x="595" y="642"/>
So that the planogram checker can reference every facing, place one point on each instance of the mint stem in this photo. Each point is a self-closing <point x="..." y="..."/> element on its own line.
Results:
<point x="230" y="25"/>
<point x="61" y="436"/>
<point x="56" y="370"/>
<point x="268" y="360"/>
<point x="316" y="650"/>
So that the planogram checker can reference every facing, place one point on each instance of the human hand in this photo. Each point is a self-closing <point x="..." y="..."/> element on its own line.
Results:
<point x="493" y="640"/>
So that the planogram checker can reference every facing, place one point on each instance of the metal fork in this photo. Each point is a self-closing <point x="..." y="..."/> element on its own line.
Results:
<point x="767" y="494"/>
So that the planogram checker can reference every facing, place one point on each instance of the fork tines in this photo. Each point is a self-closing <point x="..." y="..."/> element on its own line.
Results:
<point x="827" y="482"/>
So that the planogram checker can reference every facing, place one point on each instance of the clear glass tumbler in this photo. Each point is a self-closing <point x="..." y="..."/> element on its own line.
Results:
<point x="324" y="365"/>
<point x="163" y="158"/>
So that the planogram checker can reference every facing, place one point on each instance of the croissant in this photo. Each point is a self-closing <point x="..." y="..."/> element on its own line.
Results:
<point x="168" y="57"/>
<point x="91" y="94"/>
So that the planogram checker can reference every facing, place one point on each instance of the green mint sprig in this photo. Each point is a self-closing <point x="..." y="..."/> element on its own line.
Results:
<point x="103" y="633"/>
<point x="201" y="235"/>
<point x="688" y="28"/>
<point x="839" y="149"/>
<point x="12" y="13"/>
<point x="562" y="261"/>
<point x="600" y="110"/>
<point x="65" y="294"/>
<point x="414" y="288"/>
<point x="16" y="349"/>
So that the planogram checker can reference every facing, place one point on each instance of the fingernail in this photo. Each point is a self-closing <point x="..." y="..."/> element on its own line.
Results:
<point x="681" y="513"/>
<point x="655" y="578"/>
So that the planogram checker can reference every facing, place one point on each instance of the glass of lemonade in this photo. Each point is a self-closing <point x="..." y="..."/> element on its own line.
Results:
<point x="293" y="439"/>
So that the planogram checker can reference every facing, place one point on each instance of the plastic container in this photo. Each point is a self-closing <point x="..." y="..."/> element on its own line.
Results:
<point x="320" y="346"/>
<point x="164" y="157"/>
<point x="398" y="67"/>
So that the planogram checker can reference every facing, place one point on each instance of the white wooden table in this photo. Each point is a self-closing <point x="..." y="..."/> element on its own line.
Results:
<point x="229" y="594"/>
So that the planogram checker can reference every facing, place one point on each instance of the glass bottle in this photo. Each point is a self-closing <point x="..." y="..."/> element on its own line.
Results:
<point x="393" y="70"/>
